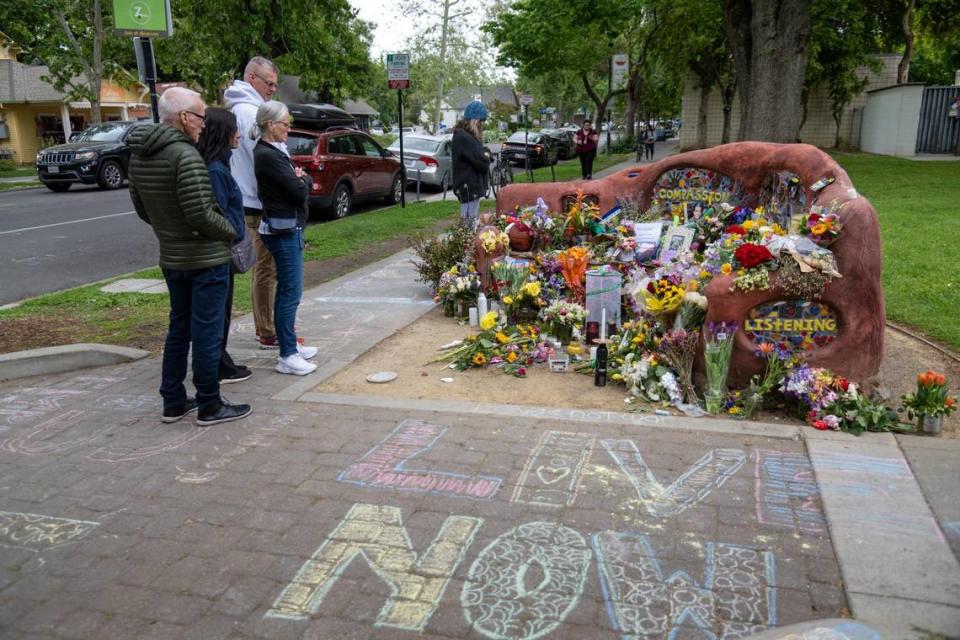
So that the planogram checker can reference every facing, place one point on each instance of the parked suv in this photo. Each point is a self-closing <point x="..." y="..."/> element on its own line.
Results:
<point x="346" y="165"/>
<point x="566" y="147"/>
<point x="97" y="155"/>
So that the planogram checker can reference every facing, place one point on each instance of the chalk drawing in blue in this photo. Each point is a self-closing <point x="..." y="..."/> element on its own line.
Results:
<point x="384" y="466"/>
<point x="526" y="582"/>
<point x="785" y="492"/>
<point x="708" y="473"/>
<point x="736" y="599"/>
<point x="551" y="475"/>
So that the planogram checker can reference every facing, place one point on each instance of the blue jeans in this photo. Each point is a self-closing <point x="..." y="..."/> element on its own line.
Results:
<point x="198" y="300"/>
<point x="469" y="211"/>
<point x="287" y="252"/>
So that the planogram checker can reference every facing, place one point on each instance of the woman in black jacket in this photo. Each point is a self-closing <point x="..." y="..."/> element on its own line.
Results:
<point x="283" y="190"/>
<point x="471" y="165"/>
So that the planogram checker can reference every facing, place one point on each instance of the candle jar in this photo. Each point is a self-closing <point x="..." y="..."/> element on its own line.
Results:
<point x="593" y="332"/>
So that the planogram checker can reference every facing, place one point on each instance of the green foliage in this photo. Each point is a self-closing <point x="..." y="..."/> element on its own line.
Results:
<point x="322" y="42"/>
<point x="438" y="253"/>
<point x="862" y="413"/>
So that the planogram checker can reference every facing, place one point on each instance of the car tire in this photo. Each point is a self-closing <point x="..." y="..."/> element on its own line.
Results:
<point x="110" y="176"/>
<point x="58" y="187"/>
<point x="396" y="191"/>
<point x="342" y="202"/>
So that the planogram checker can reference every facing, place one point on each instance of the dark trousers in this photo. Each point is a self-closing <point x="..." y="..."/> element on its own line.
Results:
<point x="648" y="148"/>
<point x="586" y="163"/>
<point x="227" y="366"/>
<point x="197" y="302"/>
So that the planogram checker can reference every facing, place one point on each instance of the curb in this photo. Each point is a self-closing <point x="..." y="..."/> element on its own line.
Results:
<point x="60" y="359"/>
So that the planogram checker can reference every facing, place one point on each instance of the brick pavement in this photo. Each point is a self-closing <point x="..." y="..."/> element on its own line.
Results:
<point x="115" y="525"/>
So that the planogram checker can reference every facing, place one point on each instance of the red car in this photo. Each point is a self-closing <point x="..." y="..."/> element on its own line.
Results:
<point x="346" y="165"/>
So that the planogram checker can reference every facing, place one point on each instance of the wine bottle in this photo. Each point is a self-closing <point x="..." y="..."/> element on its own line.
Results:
<point x="600" y="372"/>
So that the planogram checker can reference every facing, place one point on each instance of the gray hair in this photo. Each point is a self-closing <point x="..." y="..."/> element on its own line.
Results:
<point x="258" y="63"/>
<point x="272" y="111"/>
<point x="175" y="100"/>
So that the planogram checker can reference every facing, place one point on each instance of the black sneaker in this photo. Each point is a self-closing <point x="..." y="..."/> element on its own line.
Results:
<point x="177" y="411"/>
<point x="239" y="375"/>
<point x="223" y="412"/>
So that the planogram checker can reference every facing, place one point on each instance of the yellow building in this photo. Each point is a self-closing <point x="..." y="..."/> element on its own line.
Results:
<point x="34" y="115"/>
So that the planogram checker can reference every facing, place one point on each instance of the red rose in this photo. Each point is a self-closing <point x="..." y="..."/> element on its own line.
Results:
<point x="843" y="384"/>
<point x="750" y="255"/>
<point x="819" y="424"/>
<point x="813" y="217"/>
<point x="735" y="228"/>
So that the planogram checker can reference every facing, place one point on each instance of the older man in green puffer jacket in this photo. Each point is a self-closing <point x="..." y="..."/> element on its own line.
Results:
<point x="170" y="189"/>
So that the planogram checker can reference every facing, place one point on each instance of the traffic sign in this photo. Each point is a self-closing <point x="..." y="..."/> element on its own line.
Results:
<point x="142" y="18"/>
<point x="620" y="66"/>
<point x="398" y="70"/>
<point x="525" y="99"/>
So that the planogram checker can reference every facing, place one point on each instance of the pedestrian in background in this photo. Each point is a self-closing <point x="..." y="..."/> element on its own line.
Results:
<point x="649" y="140"/>
<point x="170" y="189"/>
<point x="243" y="98"/>
<point x="283" y="191"/>
<point x="586" y="139"/>
<point x="471" y="165"/>
<point x="217" y="141"/>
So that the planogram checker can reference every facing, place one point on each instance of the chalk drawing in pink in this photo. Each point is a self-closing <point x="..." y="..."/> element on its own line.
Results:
<point x="786" y="492"/>
<point x="384" y="466"/>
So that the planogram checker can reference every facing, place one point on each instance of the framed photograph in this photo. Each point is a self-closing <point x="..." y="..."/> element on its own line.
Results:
<point x="676" y="241"/>
<point x="647" y="235"/>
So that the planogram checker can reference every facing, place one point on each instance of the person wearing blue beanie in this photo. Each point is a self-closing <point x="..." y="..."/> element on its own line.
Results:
<point x="471" y="162"/>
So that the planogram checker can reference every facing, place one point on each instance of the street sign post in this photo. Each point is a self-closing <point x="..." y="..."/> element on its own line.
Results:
<point x="621" y="67"/>
<point x="144" y="19"/>
<point x="398" y="77"/>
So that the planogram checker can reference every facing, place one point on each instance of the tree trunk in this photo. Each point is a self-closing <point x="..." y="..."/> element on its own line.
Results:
<point x="444" y="26"/>
<point x="600" y="103"/>
<point x="726" y="95"/>
<point x="702" y="116"/>
<point x="778" y="37"/>
<point x="95" y="81"/>
<point x="903" y="69"/>
<point x="631" y="113"/>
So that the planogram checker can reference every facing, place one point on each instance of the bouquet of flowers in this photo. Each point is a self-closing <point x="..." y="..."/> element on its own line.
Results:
<point x="662" y="297"/>
<point x="573" y="266"/>
<point x="718" y="338"/>
<point x="679" y="347"/>
<point x="582" y="216"/>
<point x="823" y="227"/>
<point x="642" y="374"/>
<point x="461" y="284"/>
<point x="494" y="240"/>
<point x="777" y="365"/>
<point x="692" y="311"/>
<point x="496" y="343"/>
<point x="561" y="317"/>
<point x="930" y="398"/>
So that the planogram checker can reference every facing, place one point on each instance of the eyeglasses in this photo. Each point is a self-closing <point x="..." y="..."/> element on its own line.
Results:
<point x="270" y="85"/>
<point x="195" y="115"/>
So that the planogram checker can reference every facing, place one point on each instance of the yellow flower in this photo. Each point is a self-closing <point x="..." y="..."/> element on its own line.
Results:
<point x="472" y="268"/>
<point x="642" y="337"/>
<point x="726" y="268"/>
<point x="729" y="241"/>
<point x="532" y="288"/>
<point x="471" y="338"/>
<point x="511" y="357"/>
<point x="616" y="376"/>
<point x="704" y="274"/>
<point x="748" y="224"/>
<point x="759" y="211"/>
<point x="734" y="410"/>
<point x="693" y="285"/>
<point x="479" y="359"/>
<point x="507" y="299"/>
<point x="761" y="222"/>
<point x="637" y="340"/>
<point x="502" y="337"/>
<point x="741" y="273"/>
<point x="819" y="229"/>
<point x="488" y="320"/>
<point x="777" y="229"/>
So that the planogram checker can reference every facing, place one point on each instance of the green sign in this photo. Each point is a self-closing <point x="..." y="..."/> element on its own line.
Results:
<point x="142" y="18"/>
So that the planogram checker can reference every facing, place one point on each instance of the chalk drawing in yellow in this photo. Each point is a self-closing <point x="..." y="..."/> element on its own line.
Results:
<point x="526" y="582"/>
<point x="37" y="532"/>
<point x="551" y="475"/>
<point x="709" y="472"/>
<point x="377" y="534"/>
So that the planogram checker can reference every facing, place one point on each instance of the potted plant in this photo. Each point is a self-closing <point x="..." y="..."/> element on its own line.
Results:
<point x="930" y="402"/>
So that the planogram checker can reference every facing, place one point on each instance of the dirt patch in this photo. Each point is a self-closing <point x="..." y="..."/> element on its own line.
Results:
<point x="409" y="351"/>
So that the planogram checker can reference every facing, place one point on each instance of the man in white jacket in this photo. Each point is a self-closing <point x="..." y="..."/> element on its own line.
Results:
<point x="243" y="98"/>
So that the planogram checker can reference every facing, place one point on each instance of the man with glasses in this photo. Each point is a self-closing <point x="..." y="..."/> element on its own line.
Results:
<point x="171" y="191"/>
<point x="243" y="98"/>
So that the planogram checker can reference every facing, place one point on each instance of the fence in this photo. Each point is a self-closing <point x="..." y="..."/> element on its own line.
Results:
<point x="937" y="132"/>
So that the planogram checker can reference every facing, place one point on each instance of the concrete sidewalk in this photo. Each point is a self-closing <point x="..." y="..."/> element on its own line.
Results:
<point x="327" y="516"/>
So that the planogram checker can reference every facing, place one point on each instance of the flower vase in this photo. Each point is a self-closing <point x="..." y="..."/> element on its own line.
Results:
<point x="463" y="310"/>
<point x="449" y="308"/>
<point x="714" y="400"/>
<point x="751" y="404"/>
<point x="563" y="333"/>
<point x="931" y="425"/>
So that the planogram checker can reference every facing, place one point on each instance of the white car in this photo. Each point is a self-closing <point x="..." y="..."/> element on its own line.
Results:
<point x="426" y="157"/>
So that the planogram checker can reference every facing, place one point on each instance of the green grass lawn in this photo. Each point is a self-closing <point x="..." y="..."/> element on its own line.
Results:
<point x="569" y="169"/>
<point x="7" y="171"/>
<point x="918" y="204"/>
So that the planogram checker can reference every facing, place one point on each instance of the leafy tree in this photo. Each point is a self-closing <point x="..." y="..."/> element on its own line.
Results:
<point x="322" y="42"/>
<point x="73" y="38"/>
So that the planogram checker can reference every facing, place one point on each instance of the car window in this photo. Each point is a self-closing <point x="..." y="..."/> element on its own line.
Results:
<point x="518" y="137"/>
<point x="446" y="149"/>
<point x="416" y="144"/>
<point x="370" y="149"/>
<point x="343" y="145"/>
<point x="106" y="132"/>
<point x="301" y="145"/>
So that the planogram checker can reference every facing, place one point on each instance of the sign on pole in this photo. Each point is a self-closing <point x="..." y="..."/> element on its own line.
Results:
<point x="525" y="99"/>
<point x="142" y="18"/>
<point x="621" y="67"/>
<point x="398" y="70"/>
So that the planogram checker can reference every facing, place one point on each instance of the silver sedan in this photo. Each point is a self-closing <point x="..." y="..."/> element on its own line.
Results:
<point x="426" y="156"/>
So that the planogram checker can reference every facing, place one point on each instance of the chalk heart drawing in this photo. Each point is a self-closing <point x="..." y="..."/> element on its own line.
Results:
<point x="384" y="466"/>
<point x="377" y="535"/>
<point x="708" y="473"/>
<point x="503" y="599"/>
<point x="551" y="475"/>
<point x="37" y="532"/>
<point x="736" y="599"/>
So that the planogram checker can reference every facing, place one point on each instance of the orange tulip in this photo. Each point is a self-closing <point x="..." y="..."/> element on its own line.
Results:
<point x="950" y="402"/>
<point x="941" y="379"/>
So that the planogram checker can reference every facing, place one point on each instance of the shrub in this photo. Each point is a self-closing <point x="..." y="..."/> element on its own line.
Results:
<point x="438" y="253"/>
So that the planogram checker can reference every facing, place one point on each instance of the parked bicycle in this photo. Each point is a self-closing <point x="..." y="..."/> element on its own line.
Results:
<point x="501" y="174"/>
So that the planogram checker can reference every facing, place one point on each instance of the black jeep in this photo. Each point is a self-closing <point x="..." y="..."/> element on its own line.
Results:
<point x="97" y="155"/>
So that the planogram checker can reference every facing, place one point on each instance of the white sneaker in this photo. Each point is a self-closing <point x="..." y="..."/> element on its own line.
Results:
<point x="306" y="352"/>
<point x="295" y="365"/>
